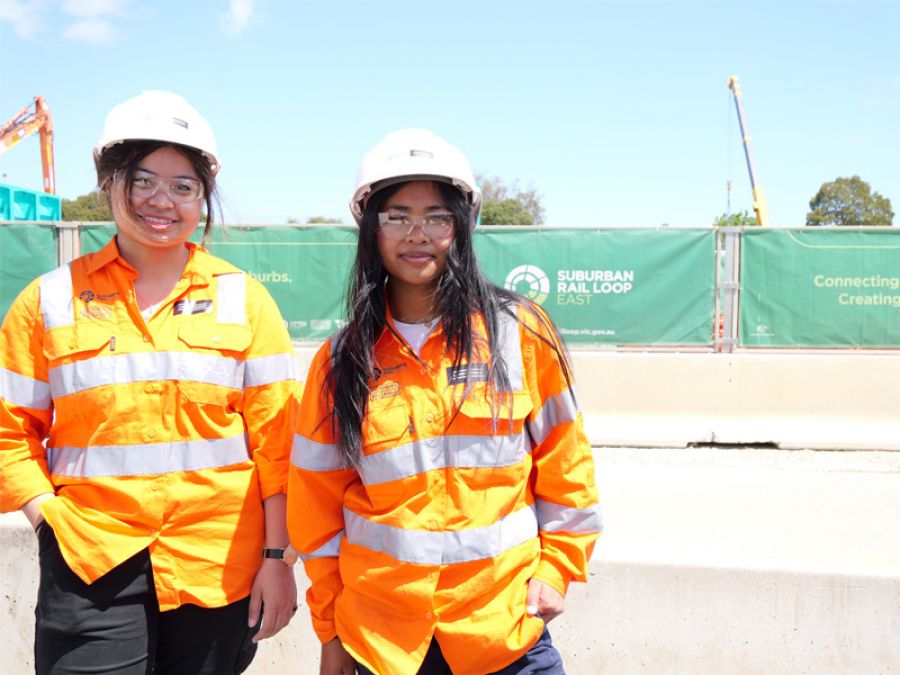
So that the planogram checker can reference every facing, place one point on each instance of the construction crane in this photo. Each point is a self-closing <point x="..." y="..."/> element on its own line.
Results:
<point x="33" y="117"/>
<point x="759" y="200"/>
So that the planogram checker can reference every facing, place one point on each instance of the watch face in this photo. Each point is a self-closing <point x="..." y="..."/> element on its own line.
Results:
<point x="289" y="555"/>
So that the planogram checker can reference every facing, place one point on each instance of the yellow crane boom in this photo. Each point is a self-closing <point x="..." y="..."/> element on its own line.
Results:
<point x="759" y="199"/>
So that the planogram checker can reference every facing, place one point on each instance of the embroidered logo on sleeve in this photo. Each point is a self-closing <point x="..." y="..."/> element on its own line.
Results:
<point x="473" y="372"/>
<point x="192" y="307"/>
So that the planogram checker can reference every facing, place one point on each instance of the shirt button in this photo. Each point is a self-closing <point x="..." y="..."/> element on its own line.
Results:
<point x="429" y="615"/>
<point x="146" y="338"/>
<point x="152" y="433"/>
<point x="429" y="417"/>
<point x="217" y="338"/>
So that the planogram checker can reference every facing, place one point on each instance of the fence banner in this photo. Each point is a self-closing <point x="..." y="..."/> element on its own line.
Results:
<point x="94" y="236"/>
<point x="26" y="252"/>
<point x="617" y="287"/>
<point x="819" y="287"/>
<point x="611" y="286"/>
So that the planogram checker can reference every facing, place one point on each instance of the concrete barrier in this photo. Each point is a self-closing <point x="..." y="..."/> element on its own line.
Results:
<point x="791" y="400"/>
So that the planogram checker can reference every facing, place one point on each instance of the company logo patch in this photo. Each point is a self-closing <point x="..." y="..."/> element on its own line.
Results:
<point x="530" y="281"/>
<point x="477" y="372"/>
<point x="386" y="389"/>
<point x="192" y="307"/>
<point x="96" y="312"/>
<point x="86" y="296"/>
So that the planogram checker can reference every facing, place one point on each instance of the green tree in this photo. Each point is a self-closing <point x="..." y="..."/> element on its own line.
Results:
<point x="849" y="201"/>
<point x="739" y="219"/>
<point x="507" y="204"/>
<point x="507" y="212"/>
<point x="92" y="207"/>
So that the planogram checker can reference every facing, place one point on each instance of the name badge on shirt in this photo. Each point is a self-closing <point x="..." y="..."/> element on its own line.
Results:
<point x="192" y="307"/>
<point x="473" y="372"/>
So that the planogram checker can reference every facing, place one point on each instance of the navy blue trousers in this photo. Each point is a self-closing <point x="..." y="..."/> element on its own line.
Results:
<point x="541" y="659"/>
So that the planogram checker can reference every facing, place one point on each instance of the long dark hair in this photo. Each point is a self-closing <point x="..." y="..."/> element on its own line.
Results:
<point x="117" y="164"/>
<point x="462" y="291"/>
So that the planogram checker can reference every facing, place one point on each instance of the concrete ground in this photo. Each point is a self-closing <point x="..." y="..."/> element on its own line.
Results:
<point x="714" y="561"/>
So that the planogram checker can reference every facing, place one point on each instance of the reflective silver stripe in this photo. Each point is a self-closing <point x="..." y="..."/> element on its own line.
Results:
<point x="147" y="459"/>
<point x="329" y="549"/>
<point x="510" y="343"/>
<point x="269" y="369"/>
<point x="56" y="298"/>
<point x="24" y="391"/>
<point x="556" y="410"/>
<point x="558" y="518"/>
<point x="231" y="298"/>
<point x="312" y="456"/>
<point x="442" y="548"/>
<point x="442" y="452"/>
<point x="146" y="366"/>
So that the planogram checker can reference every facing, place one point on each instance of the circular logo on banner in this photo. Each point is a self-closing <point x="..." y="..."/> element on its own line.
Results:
<point x="530" y="281"/>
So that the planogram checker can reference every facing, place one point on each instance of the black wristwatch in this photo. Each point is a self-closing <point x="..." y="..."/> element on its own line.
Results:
<point x="287" y="555"/>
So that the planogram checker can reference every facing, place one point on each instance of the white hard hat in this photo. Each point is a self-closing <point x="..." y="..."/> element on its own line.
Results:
<point x="413" y="154"/>
<point x="159" y="116"/>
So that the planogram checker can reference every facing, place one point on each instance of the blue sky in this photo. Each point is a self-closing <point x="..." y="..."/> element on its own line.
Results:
<point x="617" y="113"/>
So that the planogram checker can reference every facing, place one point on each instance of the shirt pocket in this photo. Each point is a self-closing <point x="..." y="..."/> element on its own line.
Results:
<point x="211" y="368"/>
<point x="386" y="424"/>
<point x="497" y="460"/>
<point x="477" y="412"/>
<point x="67" y="344"/>
<point x="79" y="383"/>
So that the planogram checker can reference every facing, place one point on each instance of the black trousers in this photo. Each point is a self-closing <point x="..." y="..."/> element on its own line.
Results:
<point x="114" y="625"/>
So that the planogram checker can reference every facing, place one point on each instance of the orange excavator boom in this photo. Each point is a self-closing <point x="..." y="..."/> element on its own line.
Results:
<point x="34" y="117"/>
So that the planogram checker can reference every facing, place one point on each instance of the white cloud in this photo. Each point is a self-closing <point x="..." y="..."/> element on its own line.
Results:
<point x="93" y="20"/>
<point x="94" y="8"/>
<point x="238" y="16"/>
<point x="93" y="31"/>
<point x="24" y="15"/>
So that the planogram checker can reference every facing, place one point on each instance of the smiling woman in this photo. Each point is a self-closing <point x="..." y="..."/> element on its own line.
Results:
<point x="442" y="487"/>
<point x="148" y="399"/>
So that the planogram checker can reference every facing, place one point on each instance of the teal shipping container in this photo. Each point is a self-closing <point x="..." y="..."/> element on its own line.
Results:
<point x="20" y="204"/>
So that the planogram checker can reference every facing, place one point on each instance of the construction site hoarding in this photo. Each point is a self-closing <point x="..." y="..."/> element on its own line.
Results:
<point x="27" y="250"/>
<point x="614" y="286"/>
<point x="602" y="286"/>
<point x="816" y="287"/>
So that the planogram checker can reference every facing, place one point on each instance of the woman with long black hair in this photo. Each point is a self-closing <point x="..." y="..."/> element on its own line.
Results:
<point x="442" y="487"/>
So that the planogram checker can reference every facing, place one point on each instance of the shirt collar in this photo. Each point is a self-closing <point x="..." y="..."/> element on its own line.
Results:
<point x="200" y="266"/>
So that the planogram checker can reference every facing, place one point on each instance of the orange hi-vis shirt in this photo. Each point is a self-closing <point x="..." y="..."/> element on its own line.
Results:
<point x="448" y="517"/>
<point x="166" y="432"/>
